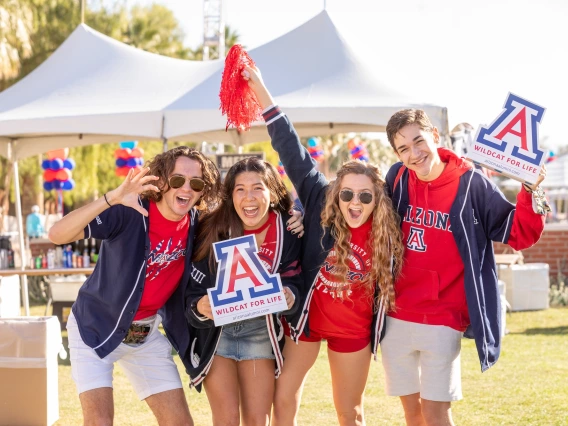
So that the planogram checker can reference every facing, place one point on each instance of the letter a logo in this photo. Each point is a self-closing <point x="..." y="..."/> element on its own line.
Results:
<point x="240" y="275"/>
<point x="415" y="240"/>
<point x="517" y="125"/>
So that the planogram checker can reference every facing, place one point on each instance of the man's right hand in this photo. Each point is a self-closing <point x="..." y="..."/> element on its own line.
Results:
<point x="133" y="185"/>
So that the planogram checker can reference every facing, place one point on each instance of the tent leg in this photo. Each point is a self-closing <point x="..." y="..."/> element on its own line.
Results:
<point x="23" y="277"/>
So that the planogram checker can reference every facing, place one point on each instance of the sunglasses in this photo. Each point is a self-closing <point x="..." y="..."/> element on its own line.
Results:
<point x="347" y="195"/>
<point x="177" y="181"/>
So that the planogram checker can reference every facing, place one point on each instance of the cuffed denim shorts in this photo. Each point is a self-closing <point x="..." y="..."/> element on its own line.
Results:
<point x="245" y="340"/>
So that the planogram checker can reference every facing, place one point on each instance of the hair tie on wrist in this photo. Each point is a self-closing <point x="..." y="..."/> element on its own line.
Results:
<point x="109" y="204"/>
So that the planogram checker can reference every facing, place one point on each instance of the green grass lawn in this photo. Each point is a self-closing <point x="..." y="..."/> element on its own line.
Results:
<point x="528" y="386"/>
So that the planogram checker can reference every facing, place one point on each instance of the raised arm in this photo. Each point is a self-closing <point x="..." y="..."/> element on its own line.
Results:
<point x="71" y="227"/>
<point x="298" y="163"/>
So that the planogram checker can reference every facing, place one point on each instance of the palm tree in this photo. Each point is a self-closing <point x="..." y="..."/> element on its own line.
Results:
<point x="16" y="21"/>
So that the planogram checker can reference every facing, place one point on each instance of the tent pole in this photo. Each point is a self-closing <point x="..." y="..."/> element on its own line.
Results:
<point x="164" y="139"/>
<point x="23" y="277"/>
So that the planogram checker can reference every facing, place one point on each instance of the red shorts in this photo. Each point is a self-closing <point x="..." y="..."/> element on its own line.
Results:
<point x="336" y="344"/>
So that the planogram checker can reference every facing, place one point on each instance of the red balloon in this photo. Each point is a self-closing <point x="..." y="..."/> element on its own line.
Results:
<point x="123" y="153"/>
<point x="121" y="171"/>
<point x="58" y="153"/>
<point x="137" y="153"/>
<point x="49" y="175"/>
<point x="63" y="175"/>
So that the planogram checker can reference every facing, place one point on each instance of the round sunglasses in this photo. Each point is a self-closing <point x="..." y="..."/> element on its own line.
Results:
<point x="177" y="181"/>
<point x="347" y="195"/>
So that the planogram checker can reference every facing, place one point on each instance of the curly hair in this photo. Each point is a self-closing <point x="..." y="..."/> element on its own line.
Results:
<point x="224" y="222"/>
<point x="162" y="166"/>
<point x="385" y="238"/>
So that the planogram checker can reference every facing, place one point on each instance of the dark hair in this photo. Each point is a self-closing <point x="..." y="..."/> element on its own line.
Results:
<point x="224" y="222"/>
<point x="162" y="166"/>
<point x="404" y="118"/>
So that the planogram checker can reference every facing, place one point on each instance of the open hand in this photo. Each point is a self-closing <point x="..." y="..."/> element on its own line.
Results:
<point x="132" y="186"/>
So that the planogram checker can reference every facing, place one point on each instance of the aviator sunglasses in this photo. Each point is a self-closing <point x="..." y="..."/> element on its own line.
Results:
<point x="347" y="195"/>
<point x="177" y="181"/>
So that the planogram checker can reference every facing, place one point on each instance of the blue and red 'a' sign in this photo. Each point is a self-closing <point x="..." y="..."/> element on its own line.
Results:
<point x="244" y="289"/>
<point x="510" y="144"/>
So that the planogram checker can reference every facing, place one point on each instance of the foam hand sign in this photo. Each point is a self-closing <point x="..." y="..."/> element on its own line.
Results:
<point x="510" y="144"/>
<point x="244" y="289"/>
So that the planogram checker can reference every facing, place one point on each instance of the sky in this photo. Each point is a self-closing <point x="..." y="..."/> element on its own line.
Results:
<point x="463" y="54"/>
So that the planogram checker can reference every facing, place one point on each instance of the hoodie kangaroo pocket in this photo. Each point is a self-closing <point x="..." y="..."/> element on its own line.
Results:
<point x="417" y="286"/>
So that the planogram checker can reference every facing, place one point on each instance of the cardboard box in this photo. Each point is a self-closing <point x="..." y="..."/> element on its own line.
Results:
<point x="28" y="371"/>
<point x="527" y="286"/>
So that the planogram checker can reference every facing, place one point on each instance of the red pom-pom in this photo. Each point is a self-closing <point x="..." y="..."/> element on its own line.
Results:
<point x="238" y="101"/>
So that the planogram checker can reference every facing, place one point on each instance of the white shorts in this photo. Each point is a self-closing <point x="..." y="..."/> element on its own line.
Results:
<point x="149" y="366"/>
<point x="422" y="358"/>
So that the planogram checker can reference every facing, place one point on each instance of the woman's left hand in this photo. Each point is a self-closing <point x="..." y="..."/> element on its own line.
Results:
<point x="296" y="223"/>
<point x="290" y="298"/>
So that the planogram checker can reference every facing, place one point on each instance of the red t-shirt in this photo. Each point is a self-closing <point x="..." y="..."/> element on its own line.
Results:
<point x="349" y="317"/>
<point x="431" y="288"/>
<point x="267" y="251"/>
<point x="168" y="246"/>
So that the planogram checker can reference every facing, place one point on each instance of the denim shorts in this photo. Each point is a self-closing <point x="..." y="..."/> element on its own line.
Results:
<point x="245" y="340"/>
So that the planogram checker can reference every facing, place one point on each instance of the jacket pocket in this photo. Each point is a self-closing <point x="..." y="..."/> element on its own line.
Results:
<point x="417" y="286"/>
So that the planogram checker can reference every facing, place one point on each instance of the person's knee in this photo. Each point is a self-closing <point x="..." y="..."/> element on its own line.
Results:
<point x="437" y="413"/>
<point x="227" y="417"/>
<point x="350" y="416"/>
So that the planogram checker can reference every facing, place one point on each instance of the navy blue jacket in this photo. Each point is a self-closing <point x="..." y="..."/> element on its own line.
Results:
<point x="479" y="215"/>
<point x="109" y="298"/>
<point x="311" y="187"/>
<point x="205" y="336"/>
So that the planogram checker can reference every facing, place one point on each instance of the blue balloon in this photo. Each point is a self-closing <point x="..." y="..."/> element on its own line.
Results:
<point x="57" y="184"/>
<point x="128" y="144"/>
<point x="46" y="164"/>
<point x="69" y="163"/>
<point x="120" y="162"/>
<point x="68" y="185"/>
<point x="356" y="149"/>
<point x="312" y="142"/>
<point x="139" y="161"/>
<point x="48" y="186"/>
<point x="131" y="162"/>
<point x="56" y="164"/>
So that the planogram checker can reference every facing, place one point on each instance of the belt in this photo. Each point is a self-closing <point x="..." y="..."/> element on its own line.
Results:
<point x="139" y="330"/>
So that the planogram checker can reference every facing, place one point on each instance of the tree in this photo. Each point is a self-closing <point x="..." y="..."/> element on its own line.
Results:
<point x="30" y="31"/>
<point x="16" y="21"/>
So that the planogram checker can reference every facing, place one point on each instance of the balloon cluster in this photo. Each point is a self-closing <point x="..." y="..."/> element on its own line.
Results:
<point x="280" y="169"/>
<point x="128" y="156"/>
<point x="57" y="170"/>
<point x="551" y="156"/>
<point x="315" y="149"/>
<point x="357" y="150"/>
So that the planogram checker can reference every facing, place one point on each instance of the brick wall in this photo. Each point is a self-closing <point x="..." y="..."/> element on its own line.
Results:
<point x="552" y="249"/>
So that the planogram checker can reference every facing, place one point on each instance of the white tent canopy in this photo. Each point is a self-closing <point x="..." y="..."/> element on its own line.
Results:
<point x="315" y="77"/>
<point x="93" y="89"/>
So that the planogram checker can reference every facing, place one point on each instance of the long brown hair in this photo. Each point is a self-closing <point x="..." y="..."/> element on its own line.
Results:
<point x="224" y="222"/>
<point x="162" y="166"/>
<point x="385" y="238"/>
